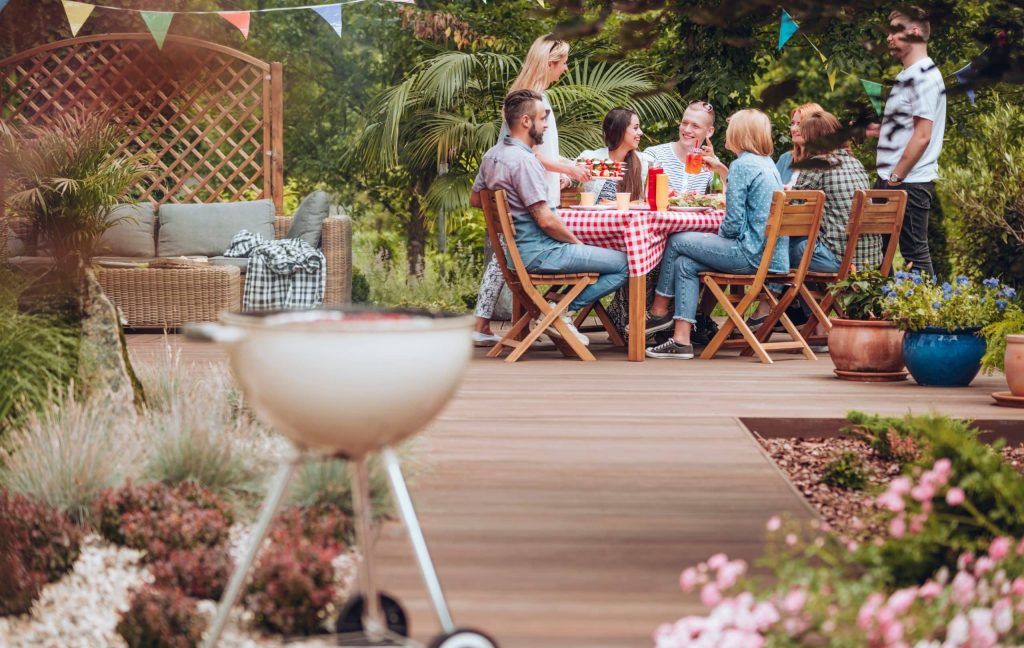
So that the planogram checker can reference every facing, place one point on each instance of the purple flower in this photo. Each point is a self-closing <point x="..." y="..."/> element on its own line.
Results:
<point x="909" y="293"/>
<point x="1009" y="293"/>
<point x="1001" y="304"/>
<point x="962" y="280"/>
<point x="936" y="305"/>
<point x="991" y="282"/>
<point x="917" y="279"/>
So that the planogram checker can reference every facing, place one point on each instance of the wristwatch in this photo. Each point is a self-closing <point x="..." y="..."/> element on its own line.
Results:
<point x="895" y="179"/>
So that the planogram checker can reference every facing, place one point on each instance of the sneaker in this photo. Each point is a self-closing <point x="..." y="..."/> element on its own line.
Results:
<point x="671" y="349"/>
<point x="657" y="323"/>
<point x="705" y="330"/>
<point x="485" y="339"/>
<point x="567" y="319"/>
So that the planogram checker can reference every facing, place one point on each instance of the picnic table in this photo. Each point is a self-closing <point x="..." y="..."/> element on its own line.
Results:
<point x="641" y="234"/>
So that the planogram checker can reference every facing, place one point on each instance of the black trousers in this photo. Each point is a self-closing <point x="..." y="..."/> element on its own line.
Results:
<point x="914" y="235"/>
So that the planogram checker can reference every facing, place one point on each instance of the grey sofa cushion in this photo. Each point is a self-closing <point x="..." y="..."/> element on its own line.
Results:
<point x="308" y="223"/>
<point x="206" y="230"/>
<point x="134" y="235"/>
<point x="18" y="230"/>
<point x="242" y="263"/>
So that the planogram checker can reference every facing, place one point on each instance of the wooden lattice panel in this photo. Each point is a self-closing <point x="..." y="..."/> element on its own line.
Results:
<point x="210" y="115"/>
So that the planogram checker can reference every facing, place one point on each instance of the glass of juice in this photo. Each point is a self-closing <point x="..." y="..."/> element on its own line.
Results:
<point x="694" y="161"/>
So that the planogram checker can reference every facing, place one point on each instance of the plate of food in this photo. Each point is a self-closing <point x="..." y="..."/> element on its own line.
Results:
<point x="696" y="202"/>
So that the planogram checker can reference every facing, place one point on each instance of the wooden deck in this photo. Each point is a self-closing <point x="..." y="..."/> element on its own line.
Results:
<point x="562" y="499"/>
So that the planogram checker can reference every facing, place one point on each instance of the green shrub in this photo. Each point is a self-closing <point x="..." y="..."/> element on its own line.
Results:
<point x="846" y="471"/>
<point x="38" y="358"/>
<point x="360" y="288"/>
<point x="66" y="455"/>
<point x="983" y="190"/>
<point x="327" y="483"/>
<point x="891" y="439"/>
<point x="161" y="618"/>
<point x="995" y="338"/>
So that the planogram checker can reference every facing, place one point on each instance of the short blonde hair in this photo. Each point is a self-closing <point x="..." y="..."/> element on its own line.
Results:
<point x="544" y="51"/>
<point x="749" y="130"/>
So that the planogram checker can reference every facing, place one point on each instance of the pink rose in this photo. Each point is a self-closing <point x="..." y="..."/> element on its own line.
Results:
<point x="955" y="496"/>
<point x="715" y="562"/>
<point x="898" y="527"/>
<point x="791" y="539"/>
<point x="891" y="501"/>
<point x="984" y="566"/>
<point x="774" y="523"/>
<point x="922" y="492"/>
<point x="794" y="601"/>
<point x="709" y="595"/>
<point x="929" y="590"/>
<point x="901" y="485"/>
<point x="689" y="579"/>
<point x="901" y="600"/>
<point x="943" y="467"/>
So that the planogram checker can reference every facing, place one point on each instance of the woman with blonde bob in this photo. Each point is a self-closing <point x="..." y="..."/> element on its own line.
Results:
<point x="546" y="62"/>
<point x="739" y="243"/>
<point x="787" y="159"/>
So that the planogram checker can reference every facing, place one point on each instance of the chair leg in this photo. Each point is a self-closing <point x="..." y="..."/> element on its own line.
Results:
<point x="735" y="321"/>
<point x="613" y="333"/>
<point x="819" y="312"/>
<point x="795" y="334"/>
<point x="578" y="347"/>
<point x="511" y="338"/>
<point x="531" y="337"/>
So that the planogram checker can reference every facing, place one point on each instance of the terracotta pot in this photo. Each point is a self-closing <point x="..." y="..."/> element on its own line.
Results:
<point x="868" y="350"/>
<point x="1015" y="364"/>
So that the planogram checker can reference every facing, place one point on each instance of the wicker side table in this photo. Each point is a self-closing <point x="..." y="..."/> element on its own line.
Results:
<point x="169" y="297"/>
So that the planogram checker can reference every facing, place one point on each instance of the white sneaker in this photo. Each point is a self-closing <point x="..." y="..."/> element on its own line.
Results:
<point x="567" y="318"/>
<point x="485" y="339"/>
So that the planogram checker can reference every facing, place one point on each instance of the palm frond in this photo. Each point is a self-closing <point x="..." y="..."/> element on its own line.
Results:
<point x="449" y="192"/>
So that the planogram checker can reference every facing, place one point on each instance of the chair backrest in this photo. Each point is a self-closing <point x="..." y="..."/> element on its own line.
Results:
<point x="792" y="213"/>
<point x="874" y="211"/>
<point x="495" y="233"/>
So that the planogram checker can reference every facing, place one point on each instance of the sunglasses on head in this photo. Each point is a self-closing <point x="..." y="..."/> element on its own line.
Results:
<point x="703" y="104"/>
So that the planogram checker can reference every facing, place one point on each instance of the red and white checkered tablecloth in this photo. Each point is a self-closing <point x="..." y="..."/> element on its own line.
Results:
<point x="640" y="234"/>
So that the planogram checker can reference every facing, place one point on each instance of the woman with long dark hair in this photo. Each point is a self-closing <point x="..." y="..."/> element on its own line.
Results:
<point x="622" y="133"/>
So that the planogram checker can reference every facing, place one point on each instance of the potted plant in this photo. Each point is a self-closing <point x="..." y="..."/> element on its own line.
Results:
<point x="1004" y="351"/>
<point x="943" y="346"/>
<point x="863" y="345"/>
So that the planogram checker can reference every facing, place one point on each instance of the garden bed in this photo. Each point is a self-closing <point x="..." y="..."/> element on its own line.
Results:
<point x="803" y="449"/>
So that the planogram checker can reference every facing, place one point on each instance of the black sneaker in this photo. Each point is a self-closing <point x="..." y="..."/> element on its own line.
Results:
<point x="670" y="349"/>
<point x="656" y="323"/>
<point x="705" y="330"/>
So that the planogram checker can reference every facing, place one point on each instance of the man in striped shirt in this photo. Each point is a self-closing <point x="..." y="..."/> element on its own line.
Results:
<point x="695" y="129"/>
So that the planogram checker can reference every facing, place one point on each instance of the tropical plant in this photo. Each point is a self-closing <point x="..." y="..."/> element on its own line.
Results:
<point x="68" y="453"/>
<point x="439" y="121"/>
<point x="66" y="178"/>
<point x="915" y="302"/>
<point x="860" y="294"/>
<point x="995" y="338"/>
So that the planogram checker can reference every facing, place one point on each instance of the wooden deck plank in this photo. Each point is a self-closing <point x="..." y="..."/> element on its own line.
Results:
<point x="562" y="499"/>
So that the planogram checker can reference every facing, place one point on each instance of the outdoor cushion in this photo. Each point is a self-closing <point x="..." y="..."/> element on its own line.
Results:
<point x="207" y="230"/>
<point x="308" y="223"/>
<point x="18" y="229"/>
<point x="134" y="235"/>
<point x="242" y="263"/>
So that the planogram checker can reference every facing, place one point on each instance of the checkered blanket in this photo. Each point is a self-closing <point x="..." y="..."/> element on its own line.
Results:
<point x="640" y="234"/>
<point x="282" y="274"/>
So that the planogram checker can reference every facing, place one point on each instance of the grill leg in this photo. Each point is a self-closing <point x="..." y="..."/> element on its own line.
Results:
<point x="419" y="543"/>
<point x="270" y="507"/>
<point x="373" y="616"/>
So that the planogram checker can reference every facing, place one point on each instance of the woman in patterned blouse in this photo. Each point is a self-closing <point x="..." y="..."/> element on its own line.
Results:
<point x="622" y="135"/>
<point x="739" y="243"/>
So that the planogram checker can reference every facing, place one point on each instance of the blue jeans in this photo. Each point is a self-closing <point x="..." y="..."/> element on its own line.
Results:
<point x="568" y="258"/>
<point x="690" y="253"/>
<point x="823" y="260"/>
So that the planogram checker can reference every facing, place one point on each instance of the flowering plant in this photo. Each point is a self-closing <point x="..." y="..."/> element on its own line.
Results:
<point x="915" y="302"/>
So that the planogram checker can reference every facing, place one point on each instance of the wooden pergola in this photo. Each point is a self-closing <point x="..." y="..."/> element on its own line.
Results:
<point x="210" y="115"/>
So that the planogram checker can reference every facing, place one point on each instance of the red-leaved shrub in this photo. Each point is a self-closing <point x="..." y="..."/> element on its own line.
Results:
<point x="200" y="572"/>
<point x="158" y="517"/>
<point x="322" y="524"/>
<point x="37" y="545"/>
<point x="161" y="618"/>
<point x="293" y="583"/>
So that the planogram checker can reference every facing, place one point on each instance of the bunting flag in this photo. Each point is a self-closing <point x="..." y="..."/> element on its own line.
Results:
<point x="78" y="13"/>
<point x="159" y="22"/>
<point x="874" y="90"/>
<point x="831" y="73"/>
<point x="962" y="76"/>
<point x="332" y="14"/>
<point x="239" y="19"/>
<point x="3" y="3"/>
<point x="787" y="27"/>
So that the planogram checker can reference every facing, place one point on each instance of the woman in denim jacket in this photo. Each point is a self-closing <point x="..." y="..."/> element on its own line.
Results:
<point x="739" y="243"/>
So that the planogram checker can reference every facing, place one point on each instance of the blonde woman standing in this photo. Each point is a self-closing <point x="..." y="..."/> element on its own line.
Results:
<point x="546" y="62"/>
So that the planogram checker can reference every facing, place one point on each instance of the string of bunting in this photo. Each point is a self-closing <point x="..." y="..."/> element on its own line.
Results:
<point x="159" y="22"/>
<point x="788" y="27"/>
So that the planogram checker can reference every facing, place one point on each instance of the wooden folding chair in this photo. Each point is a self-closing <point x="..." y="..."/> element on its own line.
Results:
<point x="792" y="213"/>
<point x="524" y="288"/>
<point x="874" y="211"/>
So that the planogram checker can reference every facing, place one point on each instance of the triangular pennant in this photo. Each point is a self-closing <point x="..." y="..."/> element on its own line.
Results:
<point x="962" y="78"/>
<point x="159" y="22"/>
<point x="787" y="27"/>
<point x="78" y="13"/>
<point x="239" y="19"/>
<point x="831" y="73"/>
<point x="3" y="3"/>
<point x="332" y="14"/>
<point x="874" y="90"/>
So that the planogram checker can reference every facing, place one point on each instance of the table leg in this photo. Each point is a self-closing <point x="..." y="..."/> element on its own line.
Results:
<point x="637" y="317"/>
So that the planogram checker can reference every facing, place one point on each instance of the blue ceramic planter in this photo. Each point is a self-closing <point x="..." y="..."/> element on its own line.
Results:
<point x="940" y="358"/>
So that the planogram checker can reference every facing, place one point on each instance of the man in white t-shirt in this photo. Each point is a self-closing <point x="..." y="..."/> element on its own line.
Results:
<point x="910" y="136"/>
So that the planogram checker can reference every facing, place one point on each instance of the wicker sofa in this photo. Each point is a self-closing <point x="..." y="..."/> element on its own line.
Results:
<point x="168" y="297"/>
